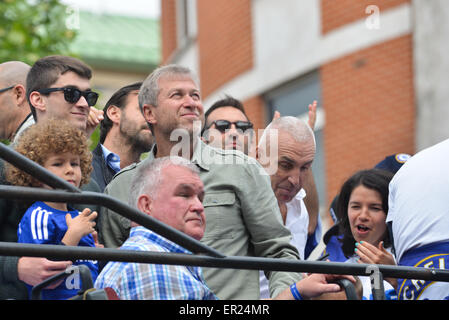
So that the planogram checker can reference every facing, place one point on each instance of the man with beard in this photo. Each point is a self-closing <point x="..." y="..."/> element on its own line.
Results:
<point x="124" y="135"/>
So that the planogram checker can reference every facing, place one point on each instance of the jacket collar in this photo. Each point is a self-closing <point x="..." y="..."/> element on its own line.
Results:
<point x="202" y="155"/>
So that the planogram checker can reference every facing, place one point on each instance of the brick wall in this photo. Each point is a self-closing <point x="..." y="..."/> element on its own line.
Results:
<point x="337" y="13"/>
<point x="224" y="41"/>
<point x="168" y="28"/>
<point x="254" y="108"/>
<point x="368" y="97"/>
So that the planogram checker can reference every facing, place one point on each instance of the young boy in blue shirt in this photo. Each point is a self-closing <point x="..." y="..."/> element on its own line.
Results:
<point x="63" y="150"/>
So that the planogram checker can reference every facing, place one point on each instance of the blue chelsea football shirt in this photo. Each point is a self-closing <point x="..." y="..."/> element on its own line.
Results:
<point x="42" y="224"/>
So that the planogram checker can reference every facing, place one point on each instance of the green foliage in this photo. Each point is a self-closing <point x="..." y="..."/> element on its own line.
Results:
<point x="31" y="29"/>
<point x="94" y="138"/>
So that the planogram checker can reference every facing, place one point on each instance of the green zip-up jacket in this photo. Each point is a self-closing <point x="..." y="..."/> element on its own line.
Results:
<point x="242" y="219"/>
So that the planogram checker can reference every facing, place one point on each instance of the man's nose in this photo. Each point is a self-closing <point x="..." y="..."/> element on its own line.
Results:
<point x="197" y="205"/>
<point x="295" y="178"/>
<point x="233" y="131"/>
<point x="82" y="102"/>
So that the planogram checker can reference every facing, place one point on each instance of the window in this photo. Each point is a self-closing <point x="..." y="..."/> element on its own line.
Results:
<point x="186" y="24"/>
<point x="293" y="99"/>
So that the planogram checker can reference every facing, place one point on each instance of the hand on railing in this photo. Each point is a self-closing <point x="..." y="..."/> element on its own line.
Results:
<point x="33" y="271"/>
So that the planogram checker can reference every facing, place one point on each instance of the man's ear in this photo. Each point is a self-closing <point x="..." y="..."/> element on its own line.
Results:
<point x="114" y="113"/>
<point x="19" y="94"/>
<point x="144" y="204"/>
<point x="38" y="101"/>
<point x="148" y="113"/>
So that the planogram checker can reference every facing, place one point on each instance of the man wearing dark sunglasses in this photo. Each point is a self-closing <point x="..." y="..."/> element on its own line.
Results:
<point x="59" y="87"/>
<point x="227" y="126"/>
<point x="14" y="109"/>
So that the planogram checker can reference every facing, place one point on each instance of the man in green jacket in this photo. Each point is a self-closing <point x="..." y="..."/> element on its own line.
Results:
<point x="242" y="215"/>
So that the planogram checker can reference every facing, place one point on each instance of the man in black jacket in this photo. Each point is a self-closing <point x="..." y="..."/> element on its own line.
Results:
<point x="124" y="135"/>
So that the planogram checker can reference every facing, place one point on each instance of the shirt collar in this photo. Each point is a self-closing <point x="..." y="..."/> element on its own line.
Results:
<point x="112" y="159"/>
<point x="158" y="239"/>
<point x="201" y="155"/>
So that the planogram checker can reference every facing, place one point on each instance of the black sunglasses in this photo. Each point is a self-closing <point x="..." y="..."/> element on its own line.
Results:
<point x="72" y="95"/>
<point x="222" y="125"/>
<point x="6" y="89"/>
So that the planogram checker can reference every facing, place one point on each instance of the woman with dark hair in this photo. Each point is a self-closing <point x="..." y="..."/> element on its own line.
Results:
<point x="362" y="207"/>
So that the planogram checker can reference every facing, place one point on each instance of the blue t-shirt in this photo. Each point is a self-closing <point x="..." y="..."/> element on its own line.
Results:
<point x="42" y="224"/>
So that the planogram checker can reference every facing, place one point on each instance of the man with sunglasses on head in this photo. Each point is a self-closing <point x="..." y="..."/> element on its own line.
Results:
<point x="57" y="87"/>
<point x="227" y="126"/>
<point x="14" y="108"/>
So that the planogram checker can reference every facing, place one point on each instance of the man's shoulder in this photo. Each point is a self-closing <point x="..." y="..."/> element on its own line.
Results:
<point x="124" y="176"/>
<point x="97" y="151"/>
<point x="225" y="157"/>
<point x="141" y="243"/>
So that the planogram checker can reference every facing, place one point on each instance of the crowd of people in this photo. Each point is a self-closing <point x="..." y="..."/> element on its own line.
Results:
<point x="205" y="175"/>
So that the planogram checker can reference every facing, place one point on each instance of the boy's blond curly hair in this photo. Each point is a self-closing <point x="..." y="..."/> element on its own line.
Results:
<point x="46" y="138"/>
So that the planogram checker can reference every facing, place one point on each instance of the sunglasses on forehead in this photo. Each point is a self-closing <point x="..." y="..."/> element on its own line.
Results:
<point x="222" y="125"/>
<point x="72" y="95"/>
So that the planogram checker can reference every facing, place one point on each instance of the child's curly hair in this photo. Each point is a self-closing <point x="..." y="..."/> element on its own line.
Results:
<point x="46" y="138"/>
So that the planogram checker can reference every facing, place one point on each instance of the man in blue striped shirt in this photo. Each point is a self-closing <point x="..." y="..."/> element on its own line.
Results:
<point x="172" y="192"/>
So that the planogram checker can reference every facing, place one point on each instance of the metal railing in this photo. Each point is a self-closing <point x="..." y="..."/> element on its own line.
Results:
<point x="203" y="256"/>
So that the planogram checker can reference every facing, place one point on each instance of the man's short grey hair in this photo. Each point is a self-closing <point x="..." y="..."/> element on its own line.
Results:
<point x="148" y="177"/>
<point x="299" y="129"/>
<point x="149" y="90"/>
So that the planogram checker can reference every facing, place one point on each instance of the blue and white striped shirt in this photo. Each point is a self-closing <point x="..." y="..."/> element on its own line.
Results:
<point x="144" y="281"/>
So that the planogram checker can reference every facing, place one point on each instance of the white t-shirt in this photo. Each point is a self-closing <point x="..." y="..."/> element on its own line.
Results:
<point x="419" y="200"/>
<point x="298" y="223"/>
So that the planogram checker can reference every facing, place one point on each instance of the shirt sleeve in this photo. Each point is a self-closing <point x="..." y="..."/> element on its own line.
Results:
<point x="37" y="227"/>
<point x="269" y="236"/>
<point x="113" y="229"/>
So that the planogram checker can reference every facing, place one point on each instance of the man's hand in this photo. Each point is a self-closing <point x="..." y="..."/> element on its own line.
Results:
<point x="33" y="271"/>
<point x="312" y="114"/>
<point x="316" y="284"/>
<point x="95" y="116"/>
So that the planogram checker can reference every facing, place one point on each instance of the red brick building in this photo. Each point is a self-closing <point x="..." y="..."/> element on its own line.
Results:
<point x="354" y="56"/>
